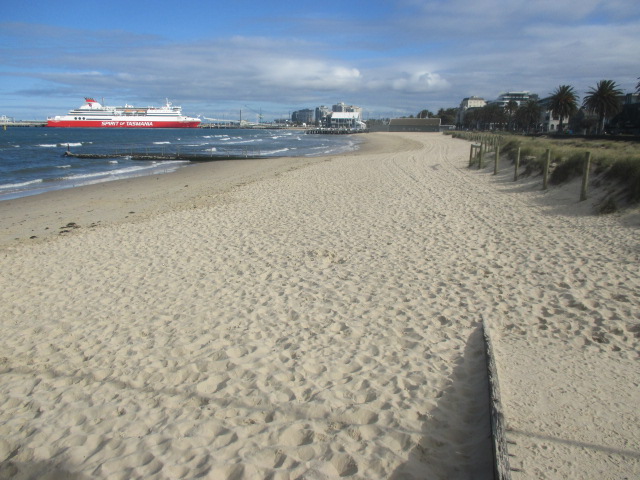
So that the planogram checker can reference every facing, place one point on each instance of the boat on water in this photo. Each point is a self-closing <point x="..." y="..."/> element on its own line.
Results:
<point x="94" y="115"/>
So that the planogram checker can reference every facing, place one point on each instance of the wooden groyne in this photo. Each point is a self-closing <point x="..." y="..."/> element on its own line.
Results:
<point x="164" y="157"/>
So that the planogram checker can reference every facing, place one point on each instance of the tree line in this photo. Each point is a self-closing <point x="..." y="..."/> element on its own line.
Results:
<point x="600" y="103"/>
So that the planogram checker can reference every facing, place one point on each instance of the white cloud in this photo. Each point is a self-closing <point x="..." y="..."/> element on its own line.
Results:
<point x="426" y="54"/>
<point x="419" y="82"/>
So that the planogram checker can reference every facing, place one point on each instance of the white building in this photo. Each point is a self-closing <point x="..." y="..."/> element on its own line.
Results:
<point x="350" y="120"/>
<point x="519" y="97"/>
<point x="342" y="107"/>
<point x="466" y="104"/>
<point x="548" y="121"/>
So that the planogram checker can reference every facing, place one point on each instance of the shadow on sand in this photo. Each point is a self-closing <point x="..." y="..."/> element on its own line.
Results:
<point x="37" y="470"/>
<point x="456" y="441"/>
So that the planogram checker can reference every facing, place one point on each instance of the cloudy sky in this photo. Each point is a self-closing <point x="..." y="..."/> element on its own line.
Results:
<point x="392" y="58"/>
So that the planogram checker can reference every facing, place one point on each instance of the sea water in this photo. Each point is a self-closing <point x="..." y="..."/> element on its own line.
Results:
<point x="33" y="161"/>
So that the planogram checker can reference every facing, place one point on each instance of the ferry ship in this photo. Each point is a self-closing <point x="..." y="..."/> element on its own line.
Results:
<point x="94" y="115"/>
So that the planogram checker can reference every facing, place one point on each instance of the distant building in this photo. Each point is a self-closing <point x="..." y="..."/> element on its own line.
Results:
<point x="466" y="104"/>
<point x="414" y="125"/>
<point x="341" y="107"/>
<point x="306" y="116"/>
<point x="628" y="119"/>
<point x="322" y="116"/>
<point x="519" y="97"/>
<point x="549" y="121"/>
<point x="339" y="116"/>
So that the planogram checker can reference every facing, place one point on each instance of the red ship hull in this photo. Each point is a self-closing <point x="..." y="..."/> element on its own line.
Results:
<point x="121" y="124"/>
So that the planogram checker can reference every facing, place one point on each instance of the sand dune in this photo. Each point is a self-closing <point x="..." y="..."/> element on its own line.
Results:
<point x="316" y="318"/>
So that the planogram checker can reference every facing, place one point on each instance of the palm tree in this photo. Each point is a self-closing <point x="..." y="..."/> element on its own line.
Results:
<point x="603" y="100"/>
<point x="564" y="103"/>
<point x="510" y="109"/>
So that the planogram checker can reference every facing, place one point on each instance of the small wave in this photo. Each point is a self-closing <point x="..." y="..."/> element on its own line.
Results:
<point x="63" y="166"/>
<point x="162" y="143"/>
<point x="121" y="171"/>
<point x="47" y="145"/>
<point x="113" y="162"/>
<point x="8" y="186"/>
<point x="273" y="152"/>
<point x="70" y="144"/>
<point x="246" y="141"/>
<point x="212" y="149"/>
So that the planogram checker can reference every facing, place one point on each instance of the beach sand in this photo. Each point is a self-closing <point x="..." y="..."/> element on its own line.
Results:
<point x="317" y="318"/>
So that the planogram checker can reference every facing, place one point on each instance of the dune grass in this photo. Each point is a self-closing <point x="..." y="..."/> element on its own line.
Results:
<point x="614" y="160"/>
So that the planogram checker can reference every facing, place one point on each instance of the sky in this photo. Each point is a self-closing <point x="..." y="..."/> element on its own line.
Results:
<point x="392" y="58"/>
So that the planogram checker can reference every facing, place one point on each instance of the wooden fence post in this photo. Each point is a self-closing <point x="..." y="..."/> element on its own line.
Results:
<point x="545" y="173"/>
<point x="471" y="155"/>
<point x="515" y="174"/>
<point x="585" y="177"/>
<point x="480" y="163"/>
<point x="495" y="168"/>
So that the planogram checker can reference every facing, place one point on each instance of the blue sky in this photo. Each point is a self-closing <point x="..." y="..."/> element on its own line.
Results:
<point x="390" y="57"/>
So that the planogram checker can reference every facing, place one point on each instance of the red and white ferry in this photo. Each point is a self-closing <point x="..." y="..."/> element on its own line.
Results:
<point x="93" y="114"/>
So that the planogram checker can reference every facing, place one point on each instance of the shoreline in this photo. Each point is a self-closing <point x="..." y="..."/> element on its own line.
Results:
<point x="319" y="318"/>
<point x="106" y="156"/>
<point x="45" y="215"/>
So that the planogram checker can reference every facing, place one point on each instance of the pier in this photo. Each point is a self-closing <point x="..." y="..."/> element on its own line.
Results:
<point x="21" y="123"/>
<point x="336" y="131"/>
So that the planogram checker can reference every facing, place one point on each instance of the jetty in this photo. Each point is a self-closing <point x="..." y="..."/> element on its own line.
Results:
<point x="21" y="123"/>
<point x="336" y="131"/>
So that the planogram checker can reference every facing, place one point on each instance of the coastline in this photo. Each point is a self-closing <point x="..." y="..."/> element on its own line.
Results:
<point x="34" y="218"/>
<point x="318" y="317"/>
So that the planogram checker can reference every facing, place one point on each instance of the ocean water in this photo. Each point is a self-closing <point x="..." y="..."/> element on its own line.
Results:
<point x="32" y="160"/>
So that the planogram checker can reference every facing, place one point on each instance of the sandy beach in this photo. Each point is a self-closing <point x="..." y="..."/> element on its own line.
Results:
<point x="318" y="318"/>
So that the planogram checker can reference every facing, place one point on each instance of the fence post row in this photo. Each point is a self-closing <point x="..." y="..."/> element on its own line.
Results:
<point x="478" y="151"/>
<point x="585" y="177"/>
<point x="545" y="175"/>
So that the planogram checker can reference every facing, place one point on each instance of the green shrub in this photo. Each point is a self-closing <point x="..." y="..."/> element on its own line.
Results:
<point x="510" y="149"/>
<point x="628" y="172"/>
<point x="568" y="169"/>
